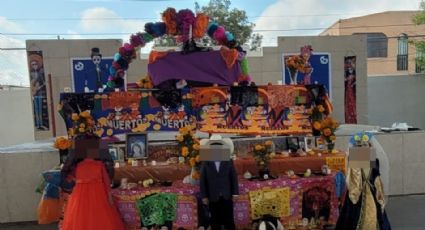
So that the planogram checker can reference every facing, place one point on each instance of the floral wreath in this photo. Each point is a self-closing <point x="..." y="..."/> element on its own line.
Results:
<point x="182" y="24"/>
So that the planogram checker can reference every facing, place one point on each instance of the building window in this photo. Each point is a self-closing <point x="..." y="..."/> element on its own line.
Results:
<point x="420" y="60"/>
<point x="377" y="44"/>
<point x="402" y="55"/>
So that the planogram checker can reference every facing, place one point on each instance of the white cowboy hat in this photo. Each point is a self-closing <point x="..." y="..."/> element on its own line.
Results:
<point x="218" y="139"/>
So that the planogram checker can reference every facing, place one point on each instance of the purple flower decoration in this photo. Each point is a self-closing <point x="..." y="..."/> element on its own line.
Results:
<point x="185" y="19"/>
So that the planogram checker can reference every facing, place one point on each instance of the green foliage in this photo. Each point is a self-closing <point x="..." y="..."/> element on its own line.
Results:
<point x="234" y="20"/>
<point x="419" y="19"/>
<point x="256" y="40"/>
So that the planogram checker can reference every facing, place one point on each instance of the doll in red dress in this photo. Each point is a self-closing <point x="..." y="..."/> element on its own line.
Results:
<point x="90" y="205"/>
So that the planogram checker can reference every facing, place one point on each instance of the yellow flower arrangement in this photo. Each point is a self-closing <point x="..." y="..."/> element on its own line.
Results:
<point x="189" y="148"/>
<point x="82" y="123"/>
<point x="62" y="143"/>
<point x="318" y="112"/>
<point x="263" y="154"/>
<point x="328" y="127"/>
<point x="296" y="63"/>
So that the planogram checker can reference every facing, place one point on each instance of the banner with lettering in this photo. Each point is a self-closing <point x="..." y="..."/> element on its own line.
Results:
<point x="265" y="110"/>
<point x="127" y="112"/>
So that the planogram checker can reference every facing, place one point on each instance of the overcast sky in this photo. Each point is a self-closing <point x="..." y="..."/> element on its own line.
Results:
<point x="74" y="19"/>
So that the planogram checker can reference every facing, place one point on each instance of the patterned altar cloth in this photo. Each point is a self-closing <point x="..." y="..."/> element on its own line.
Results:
<point x="298" y="198"/>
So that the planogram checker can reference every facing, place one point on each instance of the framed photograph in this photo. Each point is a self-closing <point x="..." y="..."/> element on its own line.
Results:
<point x="281" y="144"/>
<point x="121" y="151"/>
<point x="293" y="143"/>
<point x="114" y="153"/>
<point x="136" y="145"/>
<point x="117" y="151"/>
<point x="319" y="143"/>
<point x="309" y="143"/>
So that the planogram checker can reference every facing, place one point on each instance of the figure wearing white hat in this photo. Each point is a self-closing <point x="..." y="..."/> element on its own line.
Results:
<point x="219" y="181"/>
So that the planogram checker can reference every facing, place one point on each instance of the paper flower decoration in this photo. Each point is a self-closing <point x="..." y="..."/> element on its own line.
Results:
<point x="62" y="143"/>
<point x="361" y="139"/>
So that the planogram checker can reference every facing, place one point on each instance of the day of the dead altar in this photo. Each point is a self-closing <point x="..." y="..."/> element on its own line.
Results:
<point x="283" y="135"/>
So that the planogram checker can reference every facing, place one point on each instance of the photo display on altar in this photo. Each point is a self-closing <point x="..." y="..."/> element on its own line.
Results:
<point x="136" y="145"/>
<point x="265" y="110"/>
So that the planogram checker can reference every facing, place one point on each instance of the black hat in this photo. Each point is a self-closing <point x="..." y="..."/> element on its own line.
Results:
<point x="95" y="52"/>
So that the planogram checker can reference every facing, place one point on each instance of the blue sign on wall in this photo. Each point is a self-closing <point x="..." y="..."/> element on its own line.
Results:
<point x="85" y="73"/>
<point x="320" y="73"/>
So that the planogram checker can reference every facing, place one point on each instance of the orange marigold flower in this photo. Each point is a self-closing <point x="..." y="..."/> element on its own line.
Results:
<point x="75" y="117"/>
<point x="258" y="147"/>
<point x="62" y="143"/>
<point x="71" y="132"/>
<point x="269" y="143"/>
<point x="317" y="125"/>
<point x="185" y="151"/>
<point x="109" y="132"/>
<point x="192" y="161"/>
<point x="179" y="138"/>
<point x="198" y="158"/>
<point x="196" y="146"/>
<point x="327" y="132"/>
<point x="85" y="114"/>
<point x="196" y="175"/>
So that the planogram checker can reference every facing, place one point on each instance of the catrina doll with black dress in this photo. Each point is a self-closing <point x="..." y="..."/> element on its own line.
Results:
<point x="364" y="204"/>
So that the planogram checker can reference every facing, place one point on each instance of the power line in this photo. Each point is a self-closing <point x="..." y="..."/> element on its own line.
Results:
<point x="265" y="30"/>
<point x="262" y="30"/>
<point x="156" y="18"/>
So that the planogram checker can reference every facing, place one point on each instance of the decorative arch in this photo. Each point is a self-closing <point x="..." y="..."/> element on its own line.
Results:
<point x="184" y="25"/>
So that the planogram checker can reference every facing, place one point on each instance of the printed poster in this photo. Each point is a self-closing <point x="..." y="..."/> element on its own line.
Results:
<point x="350" y="90"/>
<point x="90" y="73"/>
<point x="38" y="89"/>
<point x="319" y="71"/>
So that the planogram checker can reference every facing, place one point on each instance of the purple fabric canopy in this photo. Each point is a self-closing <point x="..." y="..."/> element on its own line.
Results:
<point x="206" y="67"/>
